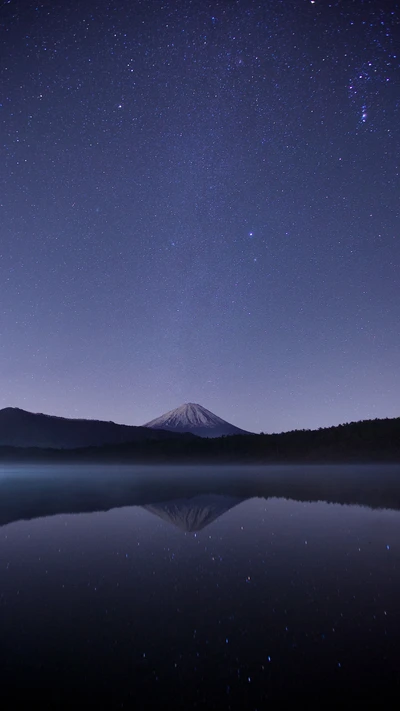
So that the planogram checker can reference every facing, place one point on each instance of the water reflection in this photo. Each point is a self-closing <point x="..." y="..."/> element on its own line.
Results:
<point x="31" y="492"/>
<point x="195" y="513"/>
<point x="203" y="593"/>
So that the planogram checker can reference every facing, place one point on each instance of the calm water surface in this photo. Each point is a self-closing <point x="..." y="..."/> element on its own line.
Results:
<point x="205" y="594"/>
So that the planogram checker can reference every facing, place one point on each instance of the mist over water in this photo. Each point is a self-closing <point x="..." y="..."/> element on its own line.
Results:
<point x="43" y="490"/>
<point x="215" y="587"/>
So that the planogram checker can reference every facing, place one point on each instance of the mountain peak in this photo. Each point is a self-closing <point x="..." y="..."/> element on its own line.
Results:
<point x="194" y="418"/>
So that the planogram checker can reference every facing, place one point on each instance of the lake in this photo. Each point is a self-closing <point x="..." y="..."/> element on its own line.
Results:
<point x="214" y="588"/>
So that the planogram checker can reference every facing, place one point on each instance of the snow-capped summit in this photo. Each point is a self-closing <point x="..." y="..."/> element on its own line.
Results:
<point x="196" y="419"/>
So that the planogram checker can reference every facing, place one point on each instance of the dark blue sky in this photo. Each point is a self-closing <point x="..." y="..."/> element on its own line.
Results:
<point x="200" y="202"/>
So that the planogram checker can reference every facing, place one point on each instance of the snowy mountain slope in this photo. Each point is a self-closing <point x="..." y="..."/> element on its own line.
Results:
<point x="196" y="419"/>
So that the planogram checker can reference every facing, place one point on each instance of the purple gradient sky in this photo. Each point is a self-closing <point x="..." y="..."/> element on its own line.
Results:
<point x="199" y="201"/>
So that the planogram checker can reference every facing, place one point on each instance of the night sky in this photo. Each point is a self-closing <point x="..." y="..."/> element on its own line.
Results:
<point x="200" y="202"/>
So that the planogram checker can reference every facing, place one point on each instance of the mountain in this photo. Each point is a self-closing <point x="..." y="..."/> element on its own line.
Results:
<point x="195" y="419"/>
<point x="194" y="513"/>
<point x="19" y="428"/>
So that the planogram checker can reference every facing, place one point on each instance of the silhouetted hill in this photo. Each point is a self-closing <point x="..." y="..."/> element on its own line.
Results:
<point x="19" y="428"/>
<point x="368" y="440"/>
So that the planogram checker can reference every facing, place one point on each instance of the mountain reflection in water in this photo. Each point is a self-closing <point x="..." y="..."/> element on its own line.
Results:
<point x="193" y="514"/>
<point x="32" y="492"/>
<point x="200" y="588"/>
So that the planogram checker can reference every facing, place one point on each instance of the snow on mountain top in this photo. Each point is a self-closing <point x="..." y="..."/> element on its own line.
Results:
<point x="192" y="417"/>
<point x="190" y="414"/>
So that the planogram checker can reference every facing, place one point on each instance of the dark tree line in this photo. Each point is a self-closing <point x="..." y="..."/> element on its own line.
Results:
<point x="367" y="440"/>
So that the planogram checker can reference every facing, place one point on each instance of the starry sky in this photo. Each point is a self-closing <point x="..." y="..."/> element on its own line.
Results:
<point x="199" y="201"/>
